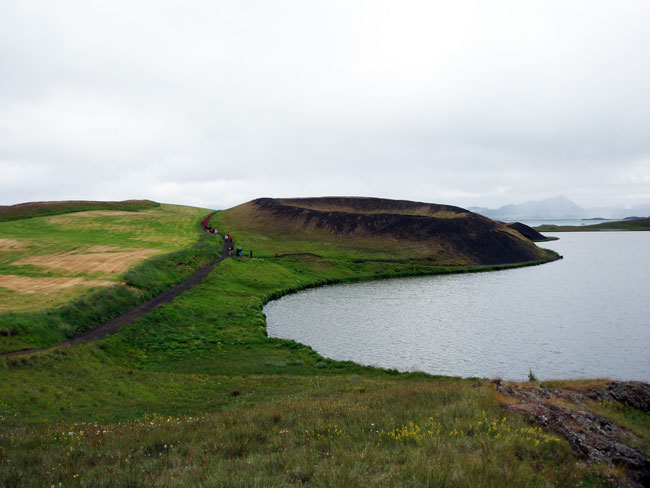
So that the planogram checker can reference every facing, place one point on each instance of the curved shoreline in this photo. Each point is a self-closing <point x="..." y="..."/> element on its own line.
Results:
<point x="387" y="276"/>
<point x="493" y="313"/>
<point x="113" y="325"/>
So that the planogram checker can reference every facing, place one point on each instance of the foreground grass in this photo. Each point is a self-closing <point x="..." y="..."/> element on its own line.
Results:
<point x="344" y="432"/>
<point x="195" y="394"/>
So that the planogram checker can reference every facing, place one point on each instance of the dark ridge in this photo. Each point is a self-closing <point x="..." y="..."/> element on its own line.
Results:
<point x="42" y="209"/>
<point x="367" y="205"/>
<point x="634" y="394"/>
<point x="591" y="436"/>
<point x="528" y="232"/>
<point x="466" y="234"/>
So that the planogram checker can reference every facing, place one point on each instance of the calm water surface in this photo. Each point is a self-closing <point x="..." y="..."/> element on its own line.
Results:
<point x="587" y="315"/>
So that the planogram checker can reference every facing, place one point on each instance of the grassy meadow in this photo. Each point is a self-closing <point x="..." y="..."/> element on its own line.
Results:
<point x="40" y="209"/>
<point x="64" y="273"/>
<point x="196" y="394"/>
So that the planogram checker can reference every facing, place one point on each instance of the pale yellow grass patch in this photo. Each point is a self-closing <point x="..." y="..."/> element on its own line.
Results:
<point x="166" y="240"/>
<point x="115" y="212"/>
<point x="96" y="259"/>
<point x="10" y="244"/>
<point x="27" y="284"/>
<point x="67" y="218"/>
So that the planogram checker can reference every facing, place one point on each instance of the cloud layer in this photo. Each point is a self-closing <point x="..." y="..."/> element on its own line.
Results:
<point x="215" y="103"/>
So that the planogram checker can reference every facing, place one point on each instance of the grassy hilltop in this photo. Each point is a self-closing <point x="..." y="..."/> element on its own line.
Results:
<point x="41" y="209"/>
<point x="196" y="394"/>
<point x="380" y="228"/>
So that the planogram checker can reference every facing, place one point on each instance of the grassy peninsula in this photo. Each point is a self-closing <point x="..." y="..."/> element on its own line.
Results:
<point x="632" y="225"/>
<point x="196" y="394"/>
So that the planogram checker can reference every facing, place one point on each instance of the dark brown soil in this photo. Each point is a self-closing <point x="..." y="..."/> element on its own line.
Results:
<point x="367" y="205"/>
<point x="635" y="394"/>
<point x="529" y="232"/>
<point x="592" y="437"/>
<point x="460" y="232"/>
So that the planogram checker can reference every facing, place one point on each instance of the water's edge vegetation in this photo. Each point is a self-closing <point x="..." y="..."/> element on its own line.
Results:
<point x="411" y="273"/>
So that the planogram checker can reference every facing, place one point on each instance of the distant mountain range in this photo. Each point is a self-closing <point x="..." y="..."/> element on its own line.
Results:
<point x="559" y="208"/>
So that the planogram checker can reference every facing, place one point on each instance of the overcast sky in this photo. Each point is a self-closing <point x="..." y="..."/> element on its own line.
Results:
<point x="213" y="103"/>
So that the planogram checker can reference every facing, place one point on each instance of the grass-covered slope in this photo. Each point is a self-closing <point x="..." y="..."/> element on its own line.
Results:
<point x="62" y="274"/>
<point x="41" y="209"/>
<point x="196" y="394"/>
<point x="379" y="228"/>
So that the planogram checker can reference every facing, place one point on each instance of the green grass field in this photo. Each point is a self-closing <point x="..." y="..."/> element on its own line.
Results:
<point x="196" y="394"/>
<point x="40" y="209"/>
<point x="65" y="273"/>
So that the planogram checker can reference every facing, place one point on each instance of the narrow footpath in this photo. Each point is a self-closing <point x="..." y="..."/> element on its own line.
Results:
<point x="113" y="325"/>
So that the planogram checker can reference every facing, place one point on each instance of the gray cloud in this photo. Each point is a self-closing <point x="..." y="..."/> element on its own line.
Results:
<point x="215" y="103"/>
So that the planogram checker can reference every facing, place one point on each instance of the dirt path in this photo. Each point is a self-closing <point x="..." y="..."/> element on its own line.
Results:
<point x="113" y="325"/>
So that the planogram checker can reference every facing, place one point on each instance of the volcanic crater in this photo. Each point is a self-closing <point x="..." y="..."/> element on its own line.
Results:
<point x="443" y="232"/>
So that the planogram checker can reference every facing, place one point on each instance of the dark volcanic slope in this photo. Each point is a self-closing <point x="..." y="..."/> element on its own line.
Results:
<point x="527" y="231"/>
<point x="452" y="231"/>
<point x="367" y="205"/>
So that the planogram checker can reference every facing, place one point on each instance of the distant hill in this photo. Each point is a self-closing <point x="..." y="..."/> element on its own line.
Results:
<point x="633" y="224"/>
<point x="398" y="228"/>
<point x="550" y="208"/>
<point x="40" y="209"/>
<point x="557" y="208"/>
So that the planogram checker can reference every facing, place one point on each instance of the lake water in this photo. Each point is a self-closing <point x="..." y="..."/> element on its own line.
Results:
<point x="585" y="316"/>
